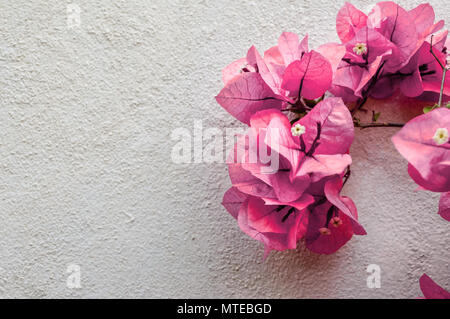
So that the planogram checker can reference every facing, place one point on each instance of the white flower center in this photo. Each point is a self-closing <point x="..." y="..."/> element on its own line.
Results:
<point x="360" y="48"/>
<point x="298" y="130"/>
<point x="441" y="136"/>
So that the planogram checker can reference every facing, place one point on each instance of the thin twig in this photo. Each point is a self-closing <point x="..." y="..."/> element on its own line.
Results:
<point x="373" y="81"/>
<point x="444" y="72"/>
<point x="367" y="125"/>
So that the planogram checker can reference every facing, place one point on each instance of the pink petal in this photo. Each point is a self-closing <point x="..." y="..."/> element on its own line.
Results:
<point x="278" y="135"/>
<point x="332" y="190"/>
<point x="289" y="47"/>
<point x="430" y="162"/>
<point x="433" y="182"/>
<point x="286" y="189"/>
<point x="243" y="179"/>
<point x="412" y="86"/>
<point x="431" y="290"/>
<point x="233" y="70"/>
<point x="266" y="224"/>
<point x="444" y="206"/>
<point x="345" y="93"/>
<point x="245" y="95"/>
<point x="273" y="55"/>
<point x="271" y="77"/>
<point x="377" y="45"/>
<point x="326" y="244"/>
<point x="257" y="176"/>
<point x="337" y="126"/>
<point x="233" y="200"/>
<point x="348" y="77"/>
<point x="349" y="20"/>
<point x="367" y="75"/>
<point x="423" y="16"/>
<point x="312" y="74"/>
<point x="299" y="204"/>
<point x="395" y="23"/>
<point x="303" y="47"/>
<point x="334" y="53"/>
<point x="321" y="166"/>
<point x="384" y="88"/>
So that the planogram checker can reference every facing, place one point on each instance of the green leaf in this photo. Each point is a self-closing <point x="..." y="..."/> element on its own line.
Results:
<point x="427" y="109"/>
<point x="375" y="116"/>
<point x="448" y="106"/>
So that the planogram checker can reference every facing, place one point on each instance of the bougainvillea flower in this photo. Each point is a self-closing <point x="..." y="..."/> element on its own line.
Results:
<point x="385" y="65"/>
<point x="285" y="73"/>
<point x="321" y="150"/>
<point x="247" y="94"/>
<point x="423" y="73"/>
<point x="326" y="223"/>
<point x="364" y="58"/>
<point x="275" y="225"/>
<point x="424" y="142"/>
<point x="396" y="25"/>
<point x="309" y="152"/>
<point x="444" y="206"/>
<point x="331" y="220"/>
<point x="290" y="69"/>
<point x="309" y="77"/>
<point x="432" y="290"/>
<point x="255" y="176"/>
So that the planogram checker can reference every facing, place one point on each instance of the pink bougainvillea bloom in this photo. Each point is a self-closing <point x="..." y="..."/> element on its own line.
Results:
<point x="321" y="150"/>
<point x="422" y="73"/>
<point x="309" y="77"/>
<point x="247" y="94"/>
<point x="254" y="176"/>
<point x="271" y="206"/>
<point x="431" y="290"/>
<point x="383" y="66"/>
<point x="332" y="220"/>
<point x="364" y="57"/>
<point x="285" y="73"/>
<point x="396" y="25"/>
<point x="444" y="206"/>
<point x="424" y="142"/>
<point x="326" y="222"/>
<point x="275" y="225"/>
<point x="291" y="67"/>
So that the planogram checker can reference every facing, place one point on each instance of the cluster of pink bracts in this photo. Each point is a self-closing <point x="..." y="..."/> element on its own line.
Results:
<point x="381" y="53"/>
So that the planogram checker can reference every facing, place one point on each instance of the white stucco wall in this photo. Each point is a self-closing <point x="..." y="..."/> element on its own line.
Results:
<point x="86" y="175"/>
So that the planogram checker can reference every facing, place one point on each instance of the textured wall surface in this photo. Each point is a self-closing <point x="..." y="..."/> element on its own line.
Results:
<point x="86" y="175"/>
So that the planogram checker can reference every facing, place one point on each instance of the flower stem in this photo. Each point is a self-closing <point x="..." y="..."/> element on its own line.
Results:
<point x="367" y="125"/>
<point x="444" y="72"/>
<point x="442" y="87"/>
